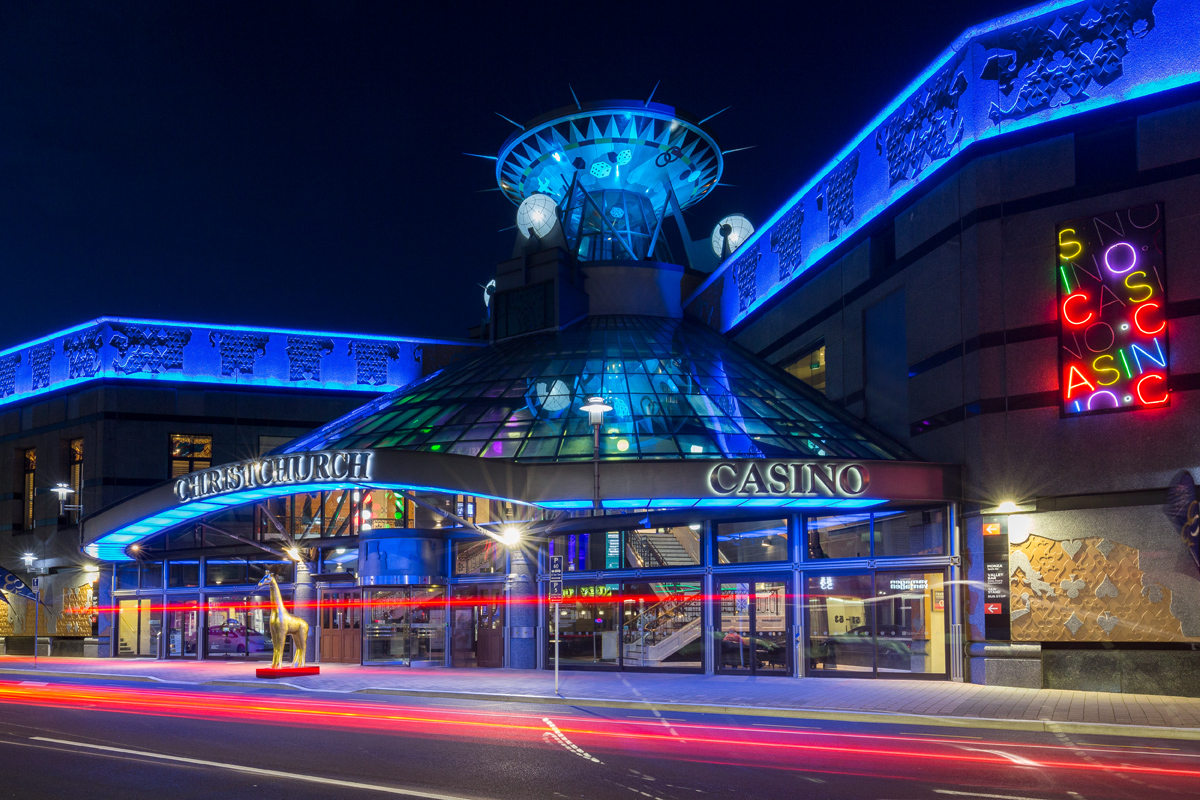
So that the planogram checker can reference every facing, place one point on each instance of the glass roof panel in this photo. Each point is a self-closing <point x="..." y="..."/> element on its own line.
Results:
<point x="677" y="388"/>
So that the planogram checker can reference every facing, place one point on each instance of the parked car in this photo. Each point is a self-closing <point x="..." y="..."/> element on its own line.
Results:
<point x="857" y="647"/>
<point x="232" y="636"/>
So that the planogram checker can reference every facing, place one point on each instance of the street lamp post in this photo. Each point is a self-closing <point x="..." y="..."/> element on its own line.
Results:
<point x="595" y="409"/>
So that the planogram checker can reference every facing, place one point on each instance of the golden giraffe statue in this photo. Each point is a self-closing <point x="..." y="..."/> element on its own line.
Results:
<point x="282" y="624"/>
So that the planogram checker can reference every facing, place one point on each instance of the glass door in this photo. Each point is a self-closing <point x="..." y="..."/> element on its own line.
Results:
<point x="388" y="626"/>
<point x="183" y="627"/>
<point x="751" y="636"/>
<point x="477" y="617"/>
<point x="341" y="626"/>
<point x="139" y="627"/>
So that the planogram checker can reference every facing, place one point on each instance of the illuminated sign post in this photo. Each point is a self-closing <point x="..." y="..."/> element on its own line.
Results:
<point x="556" y="597"/>
<point x="1112" y="302"/>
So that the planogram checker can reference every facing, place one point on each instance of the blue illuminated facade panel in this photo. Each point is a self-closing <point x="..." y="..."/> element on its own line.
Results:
<point x="154" y="350"/>
<point x="1041" y="64"/>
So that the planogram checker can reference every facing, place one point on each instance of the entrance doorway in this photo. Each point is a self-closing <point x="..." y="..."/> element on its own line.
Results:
<point x="753" y="619"/>
<point x="406" y="625"/>
<point x="183" y="627"/>
<point x="887" y="624"/>
<point x="139" y="627"/>
<point x="477" y="615"/>
<point x="341" y="626"/>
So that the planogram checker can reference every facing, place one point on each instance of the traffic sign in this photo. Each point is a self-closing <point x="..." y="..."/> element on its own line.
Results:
<point x="556" y="567"/>
<point x="993" y="608"/>
<point x="36" y="581"/>
<point x="556" y="591"/>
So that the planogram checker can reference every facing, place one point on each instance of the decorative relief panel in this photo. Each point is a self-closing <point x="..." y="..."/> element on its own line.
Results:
<point x="238" y="350"/>
<point x="707" y="307"/>
<point x="76" y="616"/>
<point x="304" y="357"/>
<point x="745" y="272"/>
<point x="1079" y="591"/>
<point x="39" y="364"/>
<point x="8" y="373"/>
<point x="786" y="242"/>
<point x="837" y="192"/>
<point x="371" y="358"/>
<point x="1056" y="59"/>
<point x="83" y="353"/>
<point x="927" y="128"/>
<point x="148" y="348"/>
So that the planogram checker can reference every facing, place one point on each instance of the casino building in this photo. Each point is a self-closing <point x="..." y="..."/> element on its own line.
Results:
<point x="931" y="420"/>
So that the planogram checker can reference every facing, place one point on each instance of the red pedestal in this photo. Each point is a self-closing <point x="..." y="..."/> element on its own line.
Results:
<point x="286" y="672"/>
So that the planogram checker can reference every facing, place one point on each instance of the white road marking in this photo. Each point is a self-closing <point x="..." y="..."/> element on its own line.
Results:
<point x="269" y="773"/>
<point x="989" y="796"/>
<point x="1024" y="762"/>
<point x="554" y="734"/>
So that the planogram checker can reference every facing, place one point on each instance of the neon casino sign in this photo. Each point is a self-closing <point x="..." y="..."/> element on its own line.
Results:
<point x="1112" y="293"/>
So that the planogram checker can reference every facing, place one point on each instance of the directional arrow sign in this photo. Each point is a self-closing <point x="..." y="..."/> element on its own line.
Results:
<point x="993" y="608"/>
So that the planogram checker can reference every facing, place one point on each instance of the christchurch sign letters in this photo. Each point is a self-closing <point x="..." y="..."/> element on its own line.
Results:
<point x="788" y="478"/>
<point x="301" y="468"/>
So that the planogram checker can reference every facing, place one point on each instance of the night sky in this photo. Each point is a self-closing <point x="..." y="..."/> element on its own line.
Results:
<point x="299" y="164"/>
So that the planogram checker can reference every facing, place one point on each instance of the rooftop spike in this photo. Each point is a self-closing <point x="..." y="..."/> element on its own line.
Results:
<point x="651" y="97"/>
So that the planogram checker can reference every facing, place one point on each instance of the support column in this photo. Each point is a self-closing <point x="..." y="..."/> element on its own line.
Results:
<point x="522" y="607"/>
<point x="304" y="606"/>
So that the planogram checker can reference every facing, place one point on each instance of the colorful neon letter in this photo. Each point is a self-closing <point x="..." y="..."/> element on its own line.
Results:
<point x="1066" y="308"/>
<point x="1153" y="376"/>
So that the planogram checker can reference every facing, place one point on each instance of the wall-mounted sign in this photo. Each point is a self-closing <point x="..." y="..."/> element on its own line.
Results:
<point x="612" y="550"/>
<point x="909" y="584"/>
<point x="326" y="466"/>
<point x="996" y="621"/>
<point x="1112" y="311"/>
<point x="789" y="479"/>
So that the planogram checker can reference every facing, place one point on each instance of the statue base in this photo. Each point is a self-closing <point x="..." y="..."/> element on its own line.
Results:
<point x="286" y="672"/>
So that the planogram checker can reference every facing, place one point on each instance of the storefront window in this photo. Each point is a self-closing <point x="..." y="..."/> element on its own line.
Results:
<point x="152" y="575"/>
<point x="661" y="625"/>
<point x="748" y="542"/>
<point x="911" y="533"/>
<point x="587" y="552"/>
<point x="910" y="622"/>
<point x="883" y="625"/>
<point x="842" y="536"/>
<point x="238" y="626"/>
<point x="284" y="571"/>
<point x="840" y="623"/>
<point x="480" y="557"/>
<point x="652" y="548"/>
<point x="588" y="625"/>
<point x="220" y="572"/>
<point x="183" y="574"/>
<point x="126" y="576"/>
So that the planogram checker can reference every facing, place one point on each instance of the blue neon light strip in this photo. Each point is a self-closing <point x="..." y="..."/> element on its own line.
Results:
<point x="112" y="546"/>
<point x="187" y="353"/>
<point x="1162" y="54"/>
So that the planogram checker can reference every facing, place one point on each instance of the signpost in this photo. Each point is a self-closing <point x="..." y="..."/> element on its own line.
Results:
<point x="996" y="619"/>
<point x="37" y="605"/>
<point x="556" y="596"/>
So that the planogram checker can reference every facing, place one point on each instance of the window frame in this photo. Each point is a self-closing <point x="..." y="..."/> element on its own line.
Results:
<point x="191" y="461"/>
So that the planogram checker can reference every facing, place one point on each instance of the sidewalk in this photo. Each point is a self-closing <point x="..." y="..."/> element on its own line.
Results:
<point x="876" y="701"/>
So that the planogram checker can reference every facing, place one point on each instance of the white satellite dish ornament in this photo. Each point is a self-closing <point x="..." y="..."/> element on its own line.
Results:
<point x="734" y="229"/>
<point x="536" y="213"/>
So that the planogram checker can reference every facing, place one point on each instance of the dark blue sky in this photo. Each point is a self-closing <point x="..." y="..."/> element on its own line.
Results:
<point x="299" y="164"/>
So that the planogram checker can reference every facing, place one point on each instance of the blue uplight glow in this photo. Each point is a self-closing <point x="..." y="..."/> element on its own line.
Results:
<point x="1160" y="58"/>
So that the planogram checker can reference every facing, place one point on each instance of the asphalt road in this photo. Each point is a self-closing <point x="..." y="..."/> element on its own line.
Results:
<point x="73" y="738"/>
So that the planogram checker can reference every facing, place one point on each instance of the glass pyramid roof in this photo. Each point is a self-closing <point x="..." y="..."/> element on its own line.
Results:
<point x="678" y="390"/>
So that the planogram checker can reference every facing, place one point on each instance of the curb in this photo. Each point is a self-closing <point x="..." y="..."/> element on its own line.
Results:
<point x="106" y="675"/>
<point x="875" y="717"/>
<point x="878" y="717"/>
